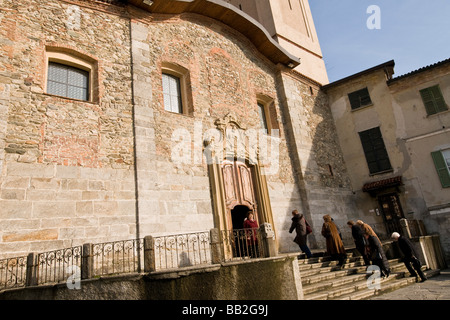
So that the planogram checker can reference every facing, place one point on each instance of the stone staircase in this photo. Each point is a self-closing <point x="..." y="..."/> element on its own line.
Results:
<point x="323" y="280"/>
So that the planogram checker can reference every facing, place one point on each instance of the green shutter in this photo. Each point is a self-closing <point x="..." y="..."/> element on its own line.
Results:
<point x="438" y="98"/>
<point x="433" y="100"/>
<point x="441" y="168"/>
<point x="375" y="151"/>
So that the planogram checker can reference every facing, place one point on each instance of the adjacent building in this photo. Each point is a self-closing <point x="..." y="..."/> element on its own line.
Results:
<point x="395" y="137"/>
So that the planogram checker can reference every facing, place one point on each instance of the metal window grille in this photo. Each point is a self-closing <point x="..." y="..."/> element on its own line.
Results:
<point x="67" y="81"/>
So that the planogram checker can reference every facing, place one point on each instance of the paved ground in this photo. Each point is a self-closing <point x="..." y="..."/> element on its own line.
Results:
<point x="435" y="288"/>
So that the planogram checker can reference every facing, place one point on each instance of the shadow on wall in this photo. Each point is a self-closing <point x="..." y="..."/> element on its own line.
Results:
<point x="320" y="171"/>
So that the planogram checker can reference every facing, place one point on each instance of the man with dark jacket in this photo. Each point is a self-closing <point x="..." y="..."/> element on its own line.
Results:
<point x="377" y="254"/>
<point x="299" y="225"/>
<point x="360" y="241"/>
<point x="411" y="261"/>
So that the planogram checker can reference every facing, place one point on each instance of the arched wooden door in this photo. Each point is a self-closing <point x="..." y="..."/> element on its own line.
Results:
<point x="239" y="189"/>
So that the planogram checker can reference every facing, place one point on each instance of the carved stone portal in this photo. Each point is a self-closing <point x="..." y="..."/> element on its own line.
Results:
<point x="235" y="176"/>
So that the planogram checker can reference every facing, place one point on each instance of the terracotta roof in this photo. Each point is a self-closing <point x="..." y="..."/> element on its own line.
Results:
<point x="382" y="184"/>
<point x="431" y="66"/>
<point x="383" y="66"/>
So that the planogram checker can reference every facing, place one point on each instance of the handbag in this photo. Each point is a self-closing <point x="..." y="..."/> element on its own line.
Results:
<point x="308" y="228"/>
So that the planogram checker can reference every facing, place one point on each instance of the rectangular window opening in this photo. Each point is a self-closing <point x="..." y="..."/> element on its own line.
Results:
<point x="172" y="93"/>
<point x="375" y="151"/>
<point x="360" y="98"/>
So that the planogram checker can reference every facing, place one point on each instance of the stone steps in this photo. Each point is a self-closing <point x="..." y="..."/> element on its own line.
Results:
<point x="323" y="280"/>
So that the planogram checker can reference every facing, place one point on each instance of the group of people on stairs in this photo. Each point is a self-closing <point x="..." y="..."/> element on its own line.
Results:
<point x="367" y="243"/>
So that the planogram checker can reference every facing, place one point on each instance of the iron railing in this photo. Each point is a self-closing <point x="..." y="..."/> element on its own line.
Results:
<point x="244" y="243"/>
<point x="183" y="250"/>
<point x="118" y="257"/>
<point x="13" y="272"/>
<point x="55" y="266"/>
<point x="130" y="256"/>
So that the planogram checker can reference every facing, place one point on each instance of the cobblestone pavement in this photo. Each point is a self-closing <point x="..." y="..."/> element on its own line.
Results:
<point x="435" y="288"/>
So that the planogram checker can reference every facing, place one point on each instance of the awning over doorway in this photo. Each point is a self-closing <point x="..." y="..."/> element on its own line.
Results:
<point x="372" y="187"/>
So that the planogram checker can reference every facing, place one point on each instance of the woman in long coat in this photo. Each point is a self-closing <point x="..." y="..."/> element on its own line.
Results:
<point x="299" y="225"/>
<point x="335" y="247"/>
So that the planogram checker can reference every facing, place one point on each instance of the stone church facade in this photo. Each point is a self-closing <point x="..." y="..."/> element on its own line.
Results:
<point x="121" y="119"/>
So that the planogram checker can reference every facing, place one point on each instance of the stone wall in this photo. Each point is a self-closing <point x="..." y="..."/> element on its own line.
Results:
<point x="320" y="172"/>
<point x="226" y="75"/>
<point x="107" y="169"/>
<point x="66" y="165"/>
<point x="272" y="279"/>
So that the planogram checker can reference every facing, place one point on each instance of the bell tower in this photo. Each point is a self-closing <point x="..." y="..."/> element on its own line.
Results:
<point x="291" y="24"/>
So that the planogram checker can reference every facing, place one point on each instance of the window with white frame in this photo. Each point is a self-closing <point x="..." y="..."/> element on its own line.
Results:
<point x="172" y="93"/>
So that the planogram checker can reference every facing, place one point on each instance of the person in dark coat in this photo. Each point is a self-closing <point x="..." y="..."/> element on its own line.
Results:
<point x="335" y="246"/>
<point x="410" y="260"/>
<point x="377" y="254"/>
<point x="299" y="225"/>
<point x="360" y="241"/>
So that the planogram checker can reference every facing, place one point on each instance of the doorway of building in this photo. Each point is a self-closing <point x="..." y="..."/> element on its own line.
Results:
<point x="392" y="212"/>
<point x="238" y="215"/>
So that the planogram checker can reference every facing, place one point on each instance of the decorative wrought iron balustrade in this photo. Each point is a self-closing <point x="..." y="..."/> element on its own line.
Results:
<point x="182" y="250"/>
<point x="56" y="266"/>
<point x="118" y="257"/>
<point x="243" y="243"/>
<point x="13" y="272"/>
<point x="132" y="256"/>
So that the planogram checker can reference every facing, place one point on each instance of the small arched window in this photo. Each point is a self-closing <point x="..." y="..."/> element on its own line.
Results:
<point x="71" y="75"/>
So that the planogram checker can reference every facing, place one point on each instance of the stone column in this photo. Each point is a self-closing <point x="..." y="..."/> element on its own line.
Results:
<point x="31" y="279"/>
<point x="216" y="250"/>
<point x="149" y="254"/>
<point x="87" y="261"/>
<point x="268" y="238"/>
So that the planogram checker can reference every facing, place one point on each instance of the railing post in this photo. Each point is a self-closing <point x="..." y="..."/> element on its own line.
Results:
<point x="216" y="250"/>
<point x="31" y="279"/>
<point x="268" y="238"/>
<point x="149" y="254"/>
<point x="87" y="261"/>
<point x="405" y="228"/>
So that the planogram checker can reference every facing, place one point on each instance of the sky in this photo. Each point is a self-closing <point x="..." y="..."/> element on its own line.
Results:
<point x="413" y="33"/>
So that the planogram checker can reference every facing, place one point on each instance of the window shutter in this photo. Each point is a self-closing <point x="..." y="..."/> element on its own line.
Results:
<point x="359" y="98"/>
<point x="433" y="100"/>
<point x="439" y="99"/>
<point x="375" y="151"/>
<point x="441" y="168"/>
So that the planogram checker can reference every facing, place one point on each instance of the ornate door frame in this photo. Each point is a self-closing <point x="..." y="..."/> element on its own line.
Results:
<point x="226" y="195"/>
